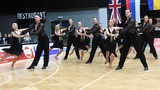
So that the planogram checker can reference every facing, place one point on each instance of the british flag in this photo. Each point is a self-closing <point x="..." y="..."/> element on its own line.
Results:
<point x="115" y="10"/>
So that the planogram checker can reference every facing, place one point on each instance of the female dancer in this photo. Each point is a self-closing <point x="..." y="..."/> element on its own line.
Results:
<point x="16" y="45"/>
<point x="81" y="40"/>
<point x="59" y="41"/>
<point x="111" y="43"/>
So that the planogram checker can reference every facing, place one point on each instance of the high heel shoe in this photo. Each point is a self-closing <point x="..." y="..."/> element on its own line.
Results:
<point x="44" y="67"/>
<point x="31" y="67"/>
<point x="88" y="62"/>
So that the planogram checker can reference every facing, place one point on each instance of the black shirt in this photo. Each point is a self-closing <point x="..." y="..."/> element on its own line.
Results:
<point x="40" y="32"/>
<point x="129" y="27"/>
<point x="95" y="30"/>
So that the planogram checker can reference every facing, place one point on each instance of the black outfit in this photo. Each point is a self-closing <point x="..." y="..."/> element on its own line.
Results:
<point x="131" y="38"/>
<point x="71" y="40"/>
<point x="87" y="40"/>
<point x="9" y="40"/>
<point x="152" y="29"/>
<point x="1" y="40"/>
<point x="111" y="42"/>
<point x="43" y="45"/>
<point x="81" y="40"/>
<point x="58" y="42"/>
<point x="147" y="38"/>
<point x="16" y="46"/>
<point x="97" y="41"/>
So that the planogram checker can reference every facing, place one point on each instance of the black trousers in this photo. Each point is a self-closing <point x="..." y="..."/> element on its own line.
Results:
<point x="132" y="40"/>
<point x="43" y="45"/>
<point x="72" y="40"/>
<point x="97" y="41"/>
<point x="148" y="38"/>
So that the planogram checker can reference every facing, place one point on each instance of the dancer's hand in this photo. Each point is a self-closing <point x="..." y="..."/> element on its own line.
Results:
<point x="27" y="35"/>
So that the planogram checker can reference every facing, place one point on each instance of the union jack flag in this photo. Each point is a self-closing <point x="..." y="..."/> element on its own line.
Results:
<point x="115" y="10"/>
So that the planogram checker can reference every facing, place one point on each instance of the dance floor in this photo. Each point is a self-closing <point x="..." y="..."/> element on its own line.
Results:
<point x="73" y="74"/>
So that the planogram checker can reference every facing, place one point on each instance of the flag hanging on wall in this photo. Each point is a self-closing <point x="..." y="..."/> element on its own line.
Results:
<point x="115" y="10"/>
<point x="134" y="6"/>
<point x="154" y="4"/>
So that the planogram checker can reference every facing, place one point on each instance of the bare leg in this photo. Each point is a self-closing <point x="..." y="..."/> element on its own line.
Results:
<point x="130" y="49"/>
<point x="4" y="56"/>
<point x="50" y="49"/>
<point x="87" y="47"/>
<point x="14" y="61"/>
<point x="99" y="53"/>
<point x="60" y="51"/>
<point x="82" y="54"/>
<point x="111" y="60"/>
<point x="107" y="55"/>
<point x="72" y="51"/>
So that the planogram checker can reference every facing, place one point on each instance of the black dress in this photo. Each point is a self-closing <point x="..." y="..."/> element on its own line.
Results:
<point x="81" y="40"/>
<point x="58" y="43"/>
<point x="111" y="42"/>
<point x="16" y="46"/>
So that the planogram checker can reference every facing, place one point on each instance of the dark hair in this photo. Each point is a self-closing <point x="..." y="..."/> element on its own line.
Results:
<point x="14" y="22"/>
<point x="129" y="10"/>
<point x="146" y="16"/>
<point x="95" y="18"/>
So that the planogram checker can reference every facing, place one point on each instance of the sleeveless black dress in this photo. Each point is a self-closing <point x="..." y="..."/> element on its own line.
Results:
<point x="111" y="42"/>
<point x="81" y="40"/>
<point x="58" y="43"/>
<point x="15" y="48"/>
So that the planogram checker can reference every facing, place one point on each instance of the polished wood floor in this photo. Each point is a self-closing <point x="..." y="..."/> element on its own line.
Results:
<point x="75" y="75"/>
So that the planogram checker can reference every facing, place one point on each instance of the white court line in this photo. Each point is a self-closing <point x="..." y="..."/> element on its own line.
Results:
<point x="92" y="82"/>
<point x="44" y="78"/>
<point x="9" y="79"/>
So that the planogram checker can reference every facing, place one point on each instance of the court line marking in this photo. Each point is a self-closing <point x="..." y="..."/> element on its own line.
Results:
<point x="43" y="79"/>
<point x="92" y="82"/>
<point x="10" y="78"/>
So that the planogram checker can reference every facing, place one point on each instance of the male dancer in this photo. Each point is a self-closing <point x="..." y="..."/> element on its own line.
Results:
<point x="97" y="40"/>
<point x="131" y="38"/>
<point x="43" y="43"/>
<point x="71" y="39"/>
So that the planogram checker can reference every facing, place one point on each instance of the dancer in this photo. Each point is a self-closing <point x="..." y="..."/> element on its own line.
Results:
<point x="147" y="37"/>
<point x="43" y="42"/>
<point x="111" y="43"/>
<point x="16" y="44"/>
<point x="71" y="39"/>
<point x="59" y="41"/>
<point x="104" y="36"/>
<point x="97" y="40"/>
<point x="131" y="38"/>
<point x="81" y="39"/>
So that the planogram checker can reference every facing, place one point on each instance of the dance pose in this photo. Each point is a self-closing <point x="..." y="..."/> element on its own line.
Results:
<point x="111" y="43"/>
<point x="43" y="43"/>
<point x="104" y="36"/>
<point x="59" y="40"/>
<point x="16" y="44"/>
<point x="147" y="37"/>
<point x="71" y="39"/>
<point x="130" y="39"/>
<point x="81" y="40"/>
<point x="97" y="40"/>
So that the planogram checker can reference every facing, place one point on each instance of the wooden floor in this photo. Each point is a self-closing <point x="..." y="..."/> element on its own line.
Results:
<point x="75" y="75"/>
